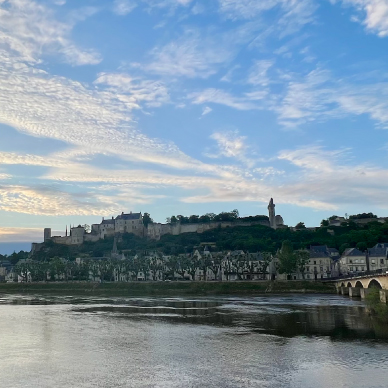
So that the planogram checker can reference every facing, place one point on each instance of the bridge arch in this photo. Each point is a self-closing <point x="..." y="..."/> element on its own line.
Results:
<point x="342" y="284"/>
<point x="358" y="284"/>
<point x="349" y="284"/>
<point x="374" y="284"/>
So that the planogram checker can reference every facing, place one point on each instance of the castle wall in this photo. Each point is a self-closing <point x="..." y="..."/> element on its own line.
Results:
<point x="91" y="237"/>
<point x="65" y="240"/>
<point x="156" y="231"/>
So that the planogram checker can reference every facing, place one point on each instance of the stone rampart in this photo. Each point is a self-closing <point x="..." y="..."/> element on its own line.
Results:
<point x="156" y="231"/>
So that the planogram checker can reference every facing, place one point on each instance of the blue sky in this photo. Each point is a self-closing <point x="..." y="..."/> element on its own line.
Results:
<point x="188" y="107"/>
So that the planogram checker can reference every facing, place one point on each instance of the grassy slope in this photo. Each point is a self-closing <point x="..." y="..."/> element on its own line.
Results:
<point x="166" y="288"/>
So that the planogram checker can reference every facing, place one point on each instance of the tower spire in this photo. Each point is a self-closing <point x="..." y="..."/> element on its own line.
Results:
<point x="271" y="214"/>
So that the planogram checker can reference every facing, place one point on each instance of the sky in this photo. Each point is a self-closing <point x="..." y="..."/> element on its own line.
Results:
<point x="188" y="107"/>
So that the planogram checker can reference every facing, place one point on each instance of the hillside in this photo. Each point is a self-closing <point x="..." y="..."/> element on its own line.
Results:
<point x="252" y="238"/>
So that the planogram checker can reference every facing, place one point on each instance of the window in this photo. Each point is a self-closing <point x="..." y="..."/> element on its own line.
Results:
<point x="350" y="261"/>
<point x="315" y="262"/>
<point x="381" y="261"/>
<point x="308" y="269"/>
<point x="321" y="269"/>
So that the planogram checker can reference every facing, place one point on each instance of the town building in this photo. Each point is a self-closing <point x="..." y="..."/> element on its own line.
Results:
<point x="353" y="261"/>
<point x="377" y="258"/>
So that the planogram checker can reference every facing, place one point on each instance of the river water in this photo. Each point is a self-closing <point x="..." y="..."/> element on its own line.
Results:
<point x="270" y="341"/>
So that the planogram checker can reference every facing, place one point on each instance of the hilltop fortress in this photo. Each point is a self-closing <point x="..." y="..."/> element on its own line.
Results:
<point x="134" y="223"/>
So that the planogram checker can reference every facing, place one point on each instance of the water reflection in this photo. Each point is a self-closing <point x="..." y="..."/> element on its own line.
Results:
<point x="270" y="315"/>
<point x="295" y="341"/>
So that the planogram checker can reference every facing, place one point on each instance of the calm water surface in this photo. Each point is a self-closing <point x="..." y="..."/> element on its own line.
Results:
<point x="271" y="341"/>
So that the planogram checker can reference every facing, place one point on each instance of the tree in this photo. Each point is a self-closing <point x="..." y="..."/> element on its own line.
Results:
<point x="193" y="265"/>
<point x="215" y="266"/>
<point x="239" y="263"/>
<point x="23" y="270"/>
<point x="362" y="246"/>
<point x="302" y="258"/>
<point x="147" y="219"/>
<point x="155" y="266"/>
<point x="324" y="223"/>
<point x="193" y="219"/>
<point x="300" y="225"/>
<point x="343" y="247"/>
<point x="86" y="227"/>
<point x="266" y="258"/>
<point x="288" y="262"/>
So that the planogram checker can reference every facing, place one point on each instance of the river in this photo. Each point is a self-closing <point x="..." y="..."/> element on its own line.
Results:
<point x="270" y="341"/>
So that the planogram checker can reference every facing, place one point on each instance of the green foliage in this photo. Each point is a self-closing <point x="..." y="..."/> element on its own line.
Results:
<point x="300" y="225"/>
<point x="291" y="261"/>
<point x="362" y="246"/>
<point x="362" y="216"/>
<point x="376" y="307"/>
<point x="147" y="219"/>
<point x="211" y="217"/>
<point x="287" y="259"/>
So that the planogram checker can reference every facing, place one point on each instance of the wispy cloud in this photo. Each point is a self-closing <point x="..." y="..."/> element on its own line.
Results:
<point x="124" y="7"/>
<point x="206" y="110"/>
<point x="231" y="145"/>
<point x="134" y="91"/>
<point x="218" y="96"/>
<point x="31" y="30"/>
<point x="258" y="73"/>
<point x="168" y="3"/>
<point x="292" y="14"/>
<point x="374" y="13"/>
<point x="320" y="96"/>
<point x="191" y="56"/>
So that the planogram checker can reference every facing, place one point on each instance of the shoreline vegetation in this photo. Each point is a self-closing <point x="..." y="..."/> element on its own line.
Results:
<point x="174" y="288"/>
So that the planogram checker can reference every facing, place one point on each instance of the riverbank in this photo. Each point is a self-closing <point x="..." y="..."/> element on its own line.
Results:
<point x="168" y="288"/>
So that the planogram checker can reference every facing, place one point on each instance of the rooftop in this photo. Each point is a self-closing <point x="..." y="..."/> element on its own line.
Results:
<point x="130" y="216"/>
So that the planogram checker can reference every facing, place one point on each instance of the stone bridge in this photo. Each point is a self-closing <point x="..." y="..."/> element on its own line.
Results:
<point x="360" y="286"/>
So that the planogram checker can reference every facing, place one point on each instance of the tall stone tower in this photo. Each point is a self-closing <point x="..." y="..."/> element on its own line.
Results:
<point x="46" y="234"/>
<point x="271" y="214"/>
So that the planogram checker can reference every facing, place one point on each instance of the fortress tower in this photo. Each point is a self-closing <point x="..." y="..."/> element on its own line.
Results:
<point x="46" y="234"/>
<point x="271" y="214"/>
